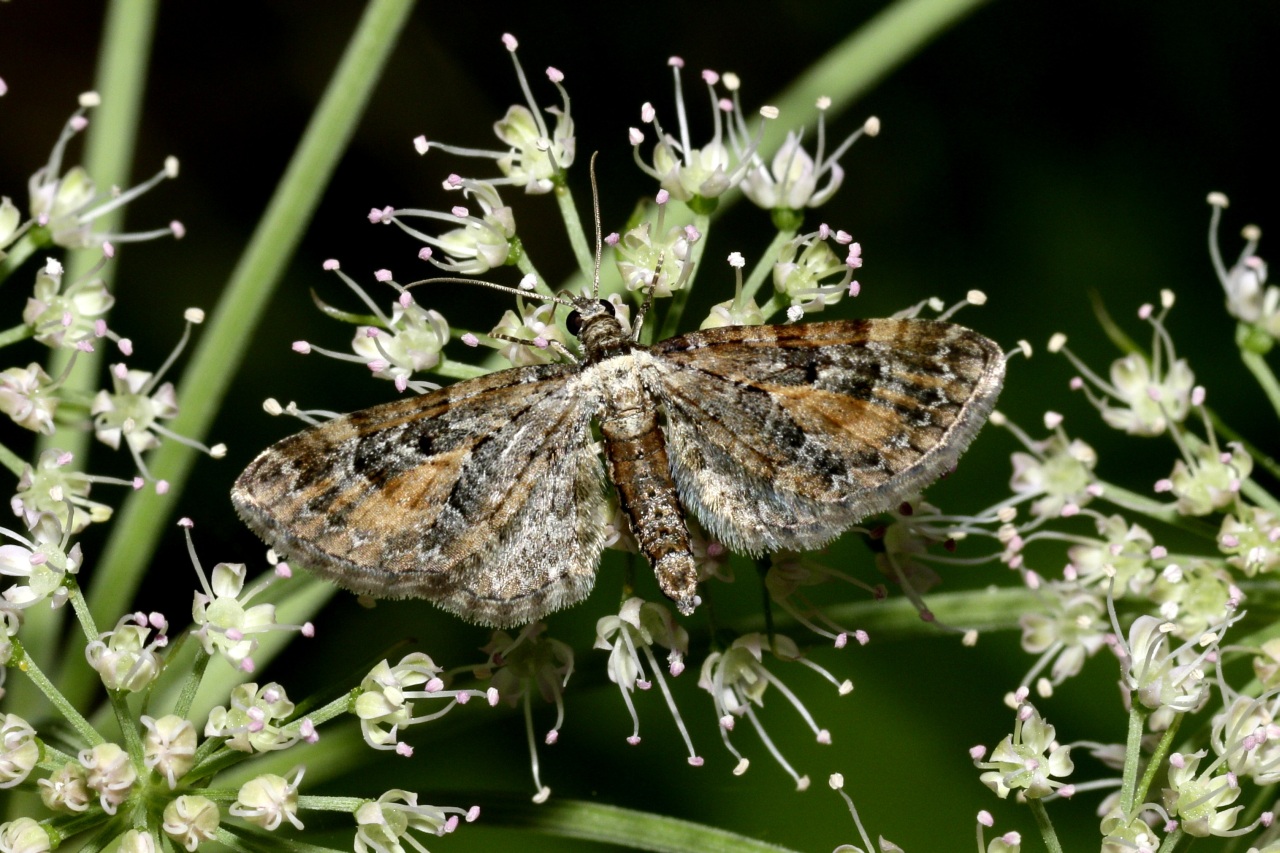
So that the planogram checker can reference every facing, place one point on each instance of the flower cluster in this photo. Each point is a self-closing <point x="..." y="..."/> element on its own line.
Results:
<point x="1100" y="559"/>
<point x="148" y="769"/>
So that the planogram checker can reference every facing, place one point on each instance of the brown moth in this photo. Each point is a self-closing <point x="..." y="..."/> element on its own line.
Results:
<point x="488" y="497"/>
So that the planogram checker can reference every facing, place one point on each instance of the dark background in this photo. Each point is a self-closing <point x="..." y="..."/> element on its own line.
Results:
<point x="1039" y="152"/>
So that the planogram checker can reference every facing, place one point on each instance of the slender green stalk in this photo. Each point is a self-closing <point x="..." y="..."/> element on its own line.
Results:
<point x="330" y="804"/>
<point x="18" y="333"/>
<point x="28" y="667"/>
<point x="615" y="827"/>
<point x="11" y="461"/>
<point x="191" y="684"/>
<point x="1132" y="757"/>
<point x="126" y="719"/>
<point x="897" y="618"/>
<point x="864" y="58"/>
<point x="343" y="704"/>
<point x="1259" y="495"/>
<point x="578" y="239"/>
<point x="1045" y="825"/>
<point x="1156" y="760"/>
<point x="221" y="348"/>
<point x="76" y="597"/>
<point x="79" y="823"/>
<point x="234" y="837"/>
<point x="764" y="265"/>
<point x="15" y="255"/>
<point x="1167" y="513"/>
<point x="1261" y="371"/>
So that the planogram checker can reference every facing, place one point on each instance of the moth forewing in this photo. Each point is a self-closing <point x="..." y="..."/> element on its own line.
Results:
<point x="785" y="436"/>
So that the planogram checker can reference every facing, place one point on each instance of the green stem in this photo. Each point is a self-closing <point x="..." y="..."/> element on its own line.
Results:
<point x="19" y="332"/>
<point x="318" y="803"/>
<point x="16" y="254"/>
<point x="1156" y="761"/>
<point x="1167" y="513"/>
<point x="222" y="757"/>
<point x="28" y="667"/>
<point x="614" y="827"/>
<point x="90" y="819"/>
<point x="76" y="596"/>
<point x="1132" y="758"/>
<point x="582" y="248"/>
<point x="855" y="65"/>
<point x="12" y="461"/>
<point x="1051" y="842"/>
<point x="764" y="265"/>
<point x="897" y="618"/>
<point x="221" y="349"/>
<point x="242" y="840"/>
<point x="125" y="718"/>
<point x="1266" y="379"/>
<point x="1260" y="496"/>
<point x="336" y="708"/>
<point x="191" y="684"/>
<point x="459" y="370"/>
<point x="772" y="306"/>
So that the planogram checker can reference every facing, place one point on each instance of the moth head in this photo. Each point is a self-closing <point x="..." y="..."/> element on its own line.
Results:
<point x="587" y="309"/>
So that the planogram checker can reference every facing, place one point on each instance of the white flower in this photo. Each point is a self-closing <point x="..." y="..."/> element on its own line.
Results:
<point x="1028" y="759"/>
<point x="132" y="409"/>
<point x="123" y="658"/>
<point x="1159" y="678"/>
<point x="1200" y="798"/>
<point x="19" y="750"/>
<point x="42" y="565"/>
<point x="66" y="789"/>
<point x="189" y="820"/>
<point x="28" y="397"/>
<point x="53" y="489"/>
<point x="388" y="820"/>
<point x="227" y="625"/>
<point x="269" y="800"/>
<point x="169" y="747"/>
<point x="250" y="723"/>
<point x="66" y="318"/>
<point x="109" y="773"/>
<point x="24" y="835"/>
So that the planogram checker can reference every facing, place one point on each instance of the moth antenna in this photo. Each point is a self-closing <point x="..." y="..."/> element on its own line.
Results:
<point x="552" y="343"/>
<point x="528" y="294"/>
<point x="595" y="216"/>
<point x="648" y="298"/>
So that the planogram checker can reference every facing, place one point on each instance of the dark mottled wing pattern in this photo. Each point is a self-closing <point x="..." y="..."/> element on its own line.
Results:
<point x="785" y="436"/>
<point x="446" y="496"/>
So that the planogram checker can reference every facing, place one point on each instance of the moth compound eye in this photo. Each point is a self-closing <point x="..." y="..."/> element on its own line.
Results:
<point x="608" y="307"/>
<point x="573" y="322"/>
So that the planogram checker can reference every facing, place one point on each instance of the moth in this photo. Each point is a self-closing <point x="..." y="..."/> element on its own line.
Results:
<point x="488" y="497"/>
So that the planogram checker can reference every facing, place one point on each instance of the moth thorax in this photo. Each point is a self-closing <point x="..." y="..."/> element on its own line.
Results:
<point x="602" y="337"/>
